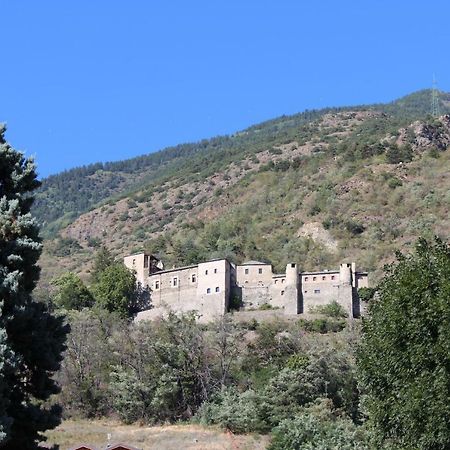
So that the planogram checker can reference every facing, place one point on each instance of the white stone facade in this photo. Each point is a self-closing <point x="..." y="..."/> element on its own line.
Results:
<point x="211" y="286"/>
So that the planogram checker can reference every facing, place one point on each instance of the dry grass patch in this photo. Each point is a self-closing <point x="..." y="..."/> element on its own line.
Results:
<point x="177" y="437"/>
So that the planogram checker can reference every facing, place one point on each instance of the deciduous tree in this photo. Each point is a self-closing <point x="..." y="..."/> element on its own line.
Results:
<point x="404" y="357"/>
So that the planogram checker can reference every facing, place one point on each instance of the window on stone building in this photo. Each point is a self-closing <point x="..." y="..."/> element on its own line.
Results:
<point x="156" y="285"/>
<point x="282" y="292"/>
<point x="193" y="278"/>
<point x="305" y="292"/>
<point x="174" y="281"/>
<point x="206" y="272"/>
<point x="306" y="278"/>
<point x="324" y="278"/>
<point x="134" y="262"/>
<point x="293" y="265"/>
<point x="332" y="277"/>
<point x="282" y="280"/>
<point x="217" y="289"/>
<point x="215" y="270"/>
<point x="246" y="271"/>
<point x="314" y="278"/>
<point x="276" y="281"/>
<point x="316" y="291"/>
<point x="208" y="291"/>
<point x="259" y="271"/>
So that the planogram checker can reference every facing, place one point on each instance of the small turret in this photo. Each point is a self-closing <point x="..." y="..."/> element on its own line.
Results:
<point x="292" y="276"/>
<point x="291" y="299"/>
<point x="345" y="274"/>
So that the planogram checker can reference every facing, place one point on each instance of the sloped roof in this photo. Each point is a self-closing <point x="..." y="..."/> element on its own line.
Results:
<point x="121" y="447"/>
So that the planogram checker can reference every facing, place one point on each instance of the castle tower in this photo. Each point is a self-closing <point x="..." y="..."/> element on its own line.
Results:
<point x="138" y="263"/>
<point x="345" y="274"/>
<point x="346" y="280"/>
<point x="291" y="298"/>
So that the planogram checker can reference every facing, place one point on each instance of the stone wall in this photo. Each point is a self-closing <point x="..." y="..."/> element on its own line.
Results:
<point x="208" y="287"/>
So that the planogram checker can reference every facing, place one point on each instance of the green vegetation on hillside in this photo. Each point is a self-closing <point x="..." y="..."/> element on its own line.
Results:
<point x="317" y="188"/>
<point x="285" y="377"/>
<point x="65" y="196"/>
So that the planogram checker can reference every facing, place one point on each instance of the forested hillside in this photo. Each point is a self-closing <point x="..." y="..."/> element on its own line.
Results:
<point x="317" y="187"/>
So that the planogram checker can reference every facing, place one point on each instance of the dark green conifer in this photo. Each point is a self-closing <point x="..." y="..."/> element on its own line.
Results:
<point x="31" y="339"/>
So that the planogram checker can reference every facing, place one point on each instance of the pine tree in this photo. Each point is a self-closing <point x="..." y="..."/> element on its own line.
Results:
<point x="31" y="339"/>
<point x="103" y="260"/>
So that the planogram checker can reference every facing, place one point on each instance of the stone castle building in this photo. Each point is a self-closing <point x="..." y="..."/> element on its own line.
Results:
<point x="211" y="287"/>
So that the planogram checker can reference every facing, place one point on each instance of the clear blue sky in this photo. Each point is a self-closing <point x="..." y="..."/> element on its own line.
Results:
<point x="98" y="80"/>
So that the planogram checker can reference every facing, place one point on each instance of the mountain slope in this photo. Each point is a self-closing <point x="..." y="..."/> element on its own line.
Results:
<point x="65" y="196"/>
<point x="353" y="183"/>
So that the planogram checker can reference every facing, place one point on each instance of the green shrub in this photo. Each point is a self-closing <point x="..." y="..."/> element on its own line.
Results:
<point x="366" y="294"/>
<point x="323" y="325"/>
<point x="232" y="410"/>
<point x="333" y="309"/>
<point x="307" y="431"/>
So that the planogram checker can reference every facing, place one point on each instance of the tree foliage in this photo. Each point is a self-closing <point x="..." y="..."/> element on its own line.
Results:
<point x="31" y="339"/>
<point x="318" y="428"/>
<point x="71" y="292"/>
<point x="116" y="290"/>
<point x="404" y="357"/>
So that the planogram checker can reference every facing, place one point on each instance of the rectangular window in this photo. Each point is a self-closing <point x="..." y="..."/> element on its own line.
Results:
<point x="314" y="278"/>
<point x="246" y="271"/>
<point x="306" y="278"/>
<point x="282" y="292"/>
<point x="324" y="278"/>
<point x="276" y="281"/>
<point x="306" y="292"/>
<point x="293" y="265"/>
<point x="217" y="289"/>
<point x="316" y="291"/>
<point x="156" y="285"/>
<point x="259" y="271"/>
<point x="206" y="272"/>
<point x="332" y="277"/>
<point x="282" y="280"/>
<point x="194" y="278"/>
<point x="174" y="281"/>
<point x="215" y="270"/>
<point x="208" y="291"/>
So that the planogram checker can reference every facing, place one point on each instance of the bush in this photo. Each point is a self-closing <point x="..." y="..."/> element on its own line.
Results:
<point x="366" y="294"/>
<point x="394" y="183"/>
<point x="310" y="431"/>
<point x="396" y="154"/>
<point x="354" y="227"/>
<point x="323" y="325"/>
<point x="234" y="411"/>
<point x="333" y="309"/>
